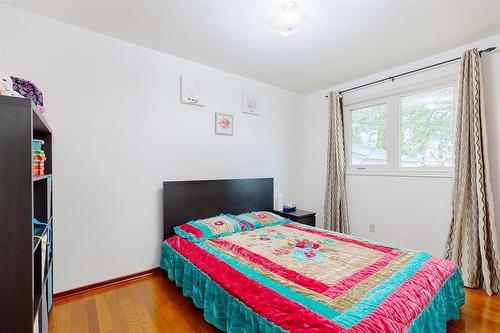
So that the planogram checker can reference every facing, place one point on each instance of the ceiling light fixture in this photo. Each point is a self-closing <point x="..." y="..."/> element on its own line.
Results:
<point x="291" y="19"/>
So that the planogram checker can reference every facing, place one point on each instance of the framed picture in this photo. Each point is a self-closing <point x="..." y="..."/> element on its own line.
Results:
<point x="223" y="124"/>
<point x="250" y="103"/>
<point x="192" y="91"/>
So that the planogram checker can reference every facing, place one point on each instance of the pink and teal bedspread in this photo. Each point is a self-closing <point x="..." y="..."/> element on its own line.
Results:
<point x="294" y="278"/>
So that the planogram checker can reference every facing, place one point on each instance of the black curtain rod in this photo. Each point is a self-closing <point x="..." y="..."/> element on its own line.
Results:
<point x="392" y="78"/>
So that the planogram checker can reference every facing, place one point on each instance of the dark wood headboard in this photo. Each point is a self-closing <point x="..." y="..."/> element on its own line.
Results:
<point x="184" y="201"/>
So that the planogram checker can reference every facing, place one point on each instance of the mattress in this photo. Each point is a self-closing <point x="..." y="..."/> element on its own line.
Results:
<point x="295" y="278"/>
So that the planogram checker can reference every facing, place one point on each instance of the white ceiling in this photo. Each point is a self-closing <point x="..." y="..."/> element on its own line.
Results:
<point x="346" y="40"/>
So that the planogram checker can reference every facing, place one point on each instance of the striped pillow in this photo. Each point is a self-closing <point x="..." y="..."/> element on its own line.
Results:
<point x="217" y="226"/>
<point x="255" y="220"/>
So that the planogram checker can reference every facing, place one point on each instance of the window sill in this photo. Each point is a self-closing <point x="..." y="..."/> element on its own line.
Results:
<point x="394" y="173"/>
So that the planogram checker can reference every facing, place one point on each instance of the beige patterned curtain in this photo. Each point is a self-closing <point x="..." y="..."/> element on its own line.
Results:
<point x="335" y="195"/>
<point x="472" y="242"/>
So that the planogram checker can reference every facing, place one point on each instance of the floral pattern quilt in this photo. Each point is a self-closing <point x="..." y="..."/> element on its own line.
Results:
<point x="305" y="279"/>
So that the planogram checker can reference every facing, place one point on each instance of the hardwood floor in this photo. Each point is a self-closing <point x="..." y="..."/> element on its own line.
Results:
<point x="480" y="313"/>
<point x="155" y="304"/>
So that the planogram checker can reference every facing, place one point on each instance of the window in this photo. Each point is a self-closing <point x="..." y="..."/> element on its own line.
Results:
<point x="368" y="135"/>
<point x="402" y="133"/>
<point x="427" y="129"/>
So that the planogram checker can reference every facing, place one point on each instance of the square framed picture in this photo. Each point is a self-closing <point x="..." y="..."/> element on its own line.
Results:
<point x="250" y="103"/>
<point x="223" y="124"/>
<point x="192" y="91"/>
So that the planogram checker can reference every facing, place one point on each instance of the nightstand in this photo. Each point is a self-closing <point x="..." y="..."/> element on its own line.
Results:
<point x="299" y="216"/>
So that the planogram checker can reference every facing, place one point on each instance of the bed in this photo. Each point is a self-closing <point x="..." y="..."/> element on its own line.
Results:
<point x="290" y="277"/>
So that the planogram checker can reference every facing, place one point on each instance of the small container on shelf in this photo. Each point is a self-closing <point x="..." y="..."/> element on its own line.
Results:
<point x="38" y="168"/>
<point x="38" y="158"/>
<point x="39" y="155"/>
<point x="37" y="144"/>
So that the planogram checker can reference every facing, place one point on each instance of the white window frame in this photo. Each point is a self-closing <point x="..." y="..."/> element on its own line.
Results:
<point x="393" y="101"/>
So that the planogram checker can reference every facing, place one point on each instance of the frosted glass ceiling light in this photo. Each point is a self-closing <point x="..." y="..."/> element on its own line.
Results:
<point x="291" y="19"/>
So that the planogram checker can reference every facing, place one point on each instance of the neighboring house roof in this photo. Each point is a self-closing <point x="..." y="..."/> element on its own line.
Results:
<point x="364" y="154"/>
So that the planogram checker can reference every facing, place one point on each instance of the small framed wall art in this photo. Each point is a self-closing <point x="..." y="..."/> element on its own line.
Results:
<point x="250" y="102"/>
<point x="192" y="91"/>
<point x="223" y="124"/>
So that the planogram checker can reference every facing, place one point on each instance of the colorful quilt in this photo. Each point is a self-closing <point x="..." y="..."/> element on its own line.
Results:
<point x="295" y="278"/>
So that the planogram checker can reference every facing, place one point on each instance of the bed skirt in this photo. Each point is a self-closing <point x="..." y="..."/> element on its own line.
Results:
<point x="229" y="314"/>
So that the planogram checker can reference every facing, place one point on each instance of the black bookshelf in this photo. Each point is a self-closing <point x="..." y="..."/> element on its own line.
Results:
<point x="26" y="281"/>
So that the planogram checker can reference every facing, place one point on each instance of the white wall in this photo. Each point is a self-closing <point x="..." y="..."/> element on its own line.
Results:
<point x="491" y="71"/>
<point x="1" y="39"/>
<point x="120" y="131"/>
<point x="411" y="212"/>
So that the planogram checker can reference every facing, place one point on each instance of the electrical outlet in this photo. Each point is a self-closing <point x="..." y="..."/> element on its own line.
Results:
<point x="372" y="227"/>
